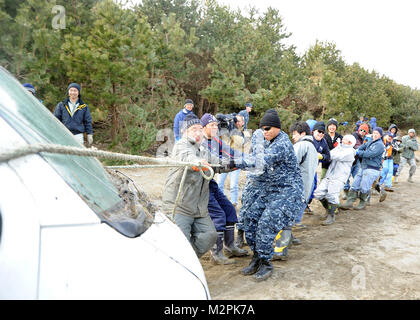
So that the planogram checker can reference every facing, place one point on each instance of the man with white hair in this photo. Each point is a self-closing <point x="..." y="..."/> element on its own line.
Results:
<point x="409" y="144"/>
<point x="328" y="192"/>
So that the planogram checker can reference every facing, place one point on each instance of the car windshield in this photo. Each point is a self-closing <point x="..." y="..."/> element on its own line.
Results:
<point x="102" y="191"/>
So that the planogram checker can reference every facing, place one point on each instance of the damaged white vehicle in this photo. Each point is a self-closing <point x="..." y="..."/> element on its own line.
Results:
<point x="69" y="229"/>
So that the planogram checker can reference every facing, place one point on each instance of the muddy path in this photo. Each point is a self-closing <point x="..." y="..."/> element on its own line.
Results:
<point x="369" y="254"/>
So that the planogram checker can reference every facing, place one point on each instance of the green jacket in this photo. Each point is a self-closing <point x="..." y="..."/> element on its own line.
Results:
<point x="194" y="197"/>
<point x="410" y="145"/>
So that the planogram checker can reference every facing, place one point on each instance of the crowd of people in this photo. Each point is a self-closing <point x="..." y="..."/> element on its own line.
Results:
<point x="281" y="176"/>
<point x="281" y="180"/>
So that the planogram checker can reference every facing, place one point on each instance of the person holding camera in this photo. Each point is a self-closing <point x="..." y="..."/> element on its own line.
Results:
<point x="236" y="141"/>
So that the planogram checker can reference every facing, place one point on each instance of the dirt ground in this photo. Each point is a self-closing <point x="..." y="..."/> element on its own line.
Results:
<point x="369" y="254"/>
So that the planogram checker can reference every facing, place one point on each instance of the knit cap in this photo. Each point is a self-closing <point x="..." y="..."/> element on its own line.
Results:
<point x="29" y="87"/>
<point x="270" y="119"/>
<point x="364" y="126"/>
<point x="190" y="120"/>
<point x="379" y="129"/>
<point x="74" y="85"/>
<point x="351" y="138"/>
<point x="207" y="118"/>
<point x="320" y="126"/>
<point x="188" y="101"/>
<point x="332" y="121"/>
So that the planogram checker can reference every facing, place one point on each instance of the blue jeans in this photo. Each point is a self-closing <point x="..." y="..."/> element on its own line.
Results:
<point x="364" y="180"/>
<point x="354" y="170"/>
<point x="234" y="182"/>
<point x="387" y="172"/>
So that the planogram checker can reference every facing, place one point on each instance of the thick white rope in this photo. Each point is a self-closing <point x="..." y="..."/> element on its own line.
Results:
<point x="10" y="154"/>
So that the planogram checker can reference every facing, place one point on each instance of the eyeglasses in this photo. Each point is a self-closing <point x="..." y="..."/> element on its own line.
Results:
<point x="266" y="128"/>
<point x="320" y="132"/>
<point x="361" y="130"/>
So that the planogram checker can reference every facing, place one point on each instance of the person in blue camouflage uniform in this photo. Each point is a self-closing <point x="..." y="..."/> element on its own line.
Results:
<point x="273" y="194"/>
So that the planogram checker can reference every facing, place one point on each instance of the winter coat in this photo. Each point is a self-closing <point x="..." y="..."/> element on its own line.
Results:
<point x="389" y="146"/>
<point x="277" y="185"/>
<point x="370" y="154"/>
<point x="342" y="158"/>
<point x="307" y="159"/>
<point x="322" y="148"/>
<point x="179" y="118"/>
<point x="410" y="145"/>
<point x="78" y="122"/>
<point x="194" y="197"/>
<point x="332" y="143"/>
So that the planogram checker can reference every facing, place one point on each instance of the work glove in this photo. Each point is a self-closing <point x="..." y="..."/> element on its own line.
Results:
<point x="320" y="157"/>
<point x="194" y="168"/>
<point x="90" y="140"/>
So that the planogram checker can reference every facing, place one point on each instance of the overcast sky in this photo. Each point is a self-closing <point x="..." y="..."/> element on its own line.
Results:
<point x="381" y="35"/>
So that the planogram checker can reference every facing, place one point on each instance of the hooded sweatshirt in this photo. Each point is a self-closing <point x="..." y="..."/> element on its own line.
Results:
<point x="342" y="158"/>
<point x="393" y="126"/>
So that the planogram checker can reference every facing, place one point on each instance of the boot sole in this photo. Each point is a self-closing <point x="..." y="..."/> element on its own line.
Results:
<point x="232" y="255"/>
<point x="283" y="258"/>
<point x="264" y="277"/>
<point x="249" y="273"/>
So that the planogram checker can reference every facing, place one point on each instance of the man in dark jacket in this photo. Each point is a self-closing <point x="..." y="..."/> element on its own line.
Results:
<point x="75" y="114"/>
<point x="323" y="150"/>
<point x="333" y="139"/>
<point x="273" y="197"/>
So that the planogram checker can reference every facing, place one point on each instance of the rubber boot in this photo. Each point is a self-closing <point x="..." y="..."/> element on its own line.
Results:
<point x="217" y="251"/>
<point x="240" y="239"/>
<point x="410" y="179"/>
<point x="382" y="194"/>
<point x="331" y="215"/>
<point x="363" y="200"/>
<point x="264" y="271"/>
<point x="283" y="241"/>
<point x="295" y="241"/>
<point x="324" y="203"/>
<point x="253" y="265"/>
<point x="346" y="192"/>
<point x="230" y="249"/>
<point x="368" y="199"/>
<point x="351" y="198"/>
